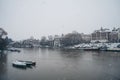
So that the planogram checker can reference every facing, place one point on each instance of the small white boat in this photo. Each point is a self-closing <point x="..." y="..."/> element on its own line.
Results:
<point x="19" y="64"/>
<point x="23" y="64"/>
<point x="28" y="63"/>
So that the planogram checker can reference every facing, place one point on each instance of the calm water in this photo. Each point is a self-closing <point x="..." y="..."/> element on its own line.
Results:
<point x="61" y="65"/>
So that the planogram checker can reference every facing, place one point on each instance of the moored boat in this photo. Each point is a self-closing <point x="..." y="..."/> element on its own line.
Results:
<point x="28" y="63"/>
<point x="13" y="50"/>
<point x="114" y="49"/>
<point x="19" y="64"/>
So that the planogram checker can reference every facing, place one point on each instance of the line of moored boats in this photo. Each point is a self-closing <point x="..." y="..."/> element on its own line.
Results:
<point x="97" y="46"/>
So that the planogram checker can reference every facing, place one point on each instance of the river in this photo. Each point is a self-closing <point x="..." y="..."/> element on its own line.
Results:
<point x="56" y="64"/>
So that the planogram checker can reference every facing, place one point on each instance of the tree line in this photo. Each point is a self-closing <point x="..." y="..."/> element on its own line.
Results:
<point x="64" y="40"/>
<point x="4" y="40"/>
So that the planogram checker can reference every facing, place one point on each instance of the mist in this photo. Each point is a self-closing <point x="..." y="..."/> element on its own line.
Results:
<point x="25" y="18"/>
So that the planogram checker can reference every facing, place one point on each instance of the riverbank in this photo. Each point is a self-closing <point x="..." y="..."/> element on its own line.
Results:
<point x="96" y="47"/>
<point x="83" y="46"/>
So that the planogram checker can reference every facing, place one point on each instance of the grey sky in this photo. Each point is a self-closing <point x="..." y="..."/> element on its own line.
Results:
<point x="25" y="18"/>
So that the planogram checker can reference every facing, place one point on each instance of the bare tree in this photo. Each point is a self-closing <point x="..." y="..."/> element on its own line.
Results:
<point x="3" y="39"/>
<point x="71" y="39"/>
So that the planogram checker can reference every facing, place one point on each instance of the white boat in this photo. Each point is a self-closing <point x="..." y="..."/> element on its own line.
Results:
<point x="28" y="63"/>
<point x="19" y="64"/>
<point x="23" y="64"/>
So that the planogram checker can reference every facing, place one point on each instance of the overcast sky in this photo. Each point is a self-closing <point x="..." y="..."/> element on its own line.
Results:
<point x="25" y="18"/>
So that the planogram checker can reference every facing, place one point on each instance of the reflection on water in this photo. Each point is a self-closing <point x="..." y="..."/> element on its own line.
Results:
<point x="56" y="64"/>
<point x="3" y="66"/>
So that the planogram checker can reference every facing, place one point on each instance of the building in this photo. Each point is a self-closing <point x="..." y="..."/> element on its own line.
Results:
<point x="57" y="41"/>
<point x="29" y="43"/>
<point x="119" y="35"/>
<point x="115" y="35"/>
<point x="50" y="41"/>
<point x="86" y="37"/>
<point x="101" y="35"/>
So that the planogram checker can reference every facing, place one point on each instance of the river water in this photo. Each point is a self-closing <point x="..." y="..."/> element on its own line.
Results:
<point x="56" y="64"/>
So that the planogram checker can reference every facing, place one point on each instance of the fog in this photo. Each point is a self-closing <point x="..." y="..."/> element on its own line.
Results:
<point x="25" y="18"/>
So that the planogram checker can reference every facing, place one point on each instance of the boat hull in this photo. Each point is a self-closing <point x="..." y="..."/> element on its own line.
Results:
<point x="28" y="63"/>
<point x="19" y="65"/>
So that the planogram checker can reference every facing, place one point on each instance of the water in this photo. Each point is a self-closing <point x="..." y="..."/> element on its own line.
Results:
<point x="55" y="64"/>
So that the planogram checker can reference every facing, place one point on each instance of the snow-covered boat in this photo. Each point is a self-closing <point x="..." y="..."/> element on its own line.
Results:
<point x="28" y="63"/>
<point x="19" y="64"/>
